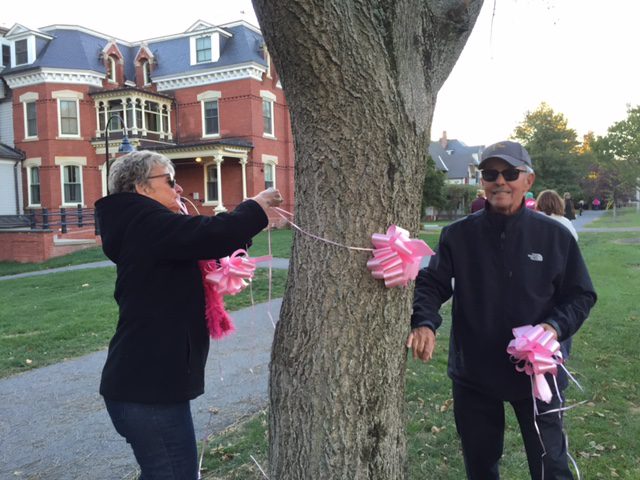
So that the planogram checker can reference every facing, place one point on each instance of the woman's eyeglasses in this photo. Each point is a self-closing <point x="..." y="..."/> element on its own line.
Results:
<point x="170" y="179"/>
<point x="510" y="174"/>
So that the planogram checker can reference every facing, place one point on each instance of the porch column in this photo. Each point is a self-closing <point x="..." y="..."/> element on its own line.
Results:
<point x="243" y="164"/>
<point x="218" y="159"/>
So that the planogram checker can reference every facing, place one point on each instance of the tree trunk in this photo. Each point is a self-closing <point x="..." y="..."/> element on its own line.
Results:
<point x="361" y="79"/>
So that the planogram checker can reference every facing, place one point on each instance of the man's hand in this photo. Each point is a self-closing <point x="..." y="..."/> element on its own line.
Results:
<point x="549" y="328"/>
<point x="422" y="341"/>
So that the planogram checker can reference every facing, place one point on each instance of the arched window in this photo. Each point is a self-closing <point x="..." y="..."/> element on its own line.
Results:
<point x="112" y="68"/>
<point x="146" y="72"/>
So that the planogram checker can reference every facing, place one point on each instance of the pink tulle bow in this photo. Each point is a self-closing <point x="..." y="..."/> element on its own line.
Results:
<point x="396" y="257"/>
<point x="234" y="272"/>
<point x="536" y="352"/>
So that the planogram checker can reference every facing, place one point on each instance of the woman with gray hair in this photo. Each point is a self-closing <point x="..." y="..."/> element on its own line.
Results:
<point x="156" y="359"/>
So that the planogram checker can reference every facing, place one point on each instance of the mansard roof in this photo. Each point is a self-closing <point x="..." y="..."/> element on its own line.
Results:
<point x="77" y="48"/>
<point x="456" y="157"/>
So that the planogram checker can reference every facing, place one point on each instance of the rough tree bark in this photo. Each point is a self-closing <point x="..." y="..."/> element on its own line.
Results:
<point x="361" y="79"/>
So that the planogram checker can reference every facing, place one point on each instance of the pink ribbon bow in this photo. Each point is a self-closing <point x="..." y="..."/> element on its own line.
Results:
<point x="235" y="272"/>
<point x="396" y="257"/>
<point x="536" y="352"/>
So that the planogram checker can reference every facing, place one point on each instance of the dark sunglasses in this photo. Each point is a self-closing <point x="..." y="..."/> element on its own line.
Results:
<point x="510" y="174"/>
<point x="170" y="180"/>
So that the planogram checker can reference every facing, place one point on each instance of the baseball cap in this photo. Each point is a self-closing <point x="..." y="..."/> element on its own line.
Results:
<point x="511" y="152"/>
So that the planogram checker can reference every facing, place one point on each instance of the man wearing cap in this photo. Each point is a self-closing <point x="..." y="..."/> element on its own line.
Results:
<point x="512" y="267"/>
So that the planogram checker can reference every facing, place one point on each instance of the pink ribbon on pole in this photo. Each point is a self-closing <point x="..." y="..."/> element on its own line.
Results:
<point x="396" y="257"/>
<point x="536" y="352"/>
<point x="235" y="272"/>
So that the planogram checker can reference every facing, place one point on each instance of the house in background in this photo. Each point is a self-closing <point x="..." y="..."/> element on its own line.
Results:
<point x="10" y="181"/>
<point x="459" y="161"/>
<point x="208" y="98"/>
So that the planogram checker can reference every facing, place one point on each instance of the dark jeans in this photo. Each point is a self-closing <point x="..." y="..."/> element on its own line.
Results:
<point x="161" y="436"/>
<point x="480" y="424"/>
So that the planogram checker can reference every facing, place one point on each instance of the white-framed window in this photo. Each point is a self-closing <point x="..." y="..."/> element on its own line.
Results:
<point x="211" y="118"/>
<point x="269" y="166"/>
<point x="268" y="101"/>
<point x="6" y="55"/>
<point x="22" y="52"/>
<point x="68" y="112"/>
<point x="34" y="186"/>
<point x="210" y="113"/>
<point x="71" y="184"/>
<point x="30" y="112"/>
<point x="146" y="72"/>
<point x="211" y="193"/>
<point x="205" y="48"/>
<point x="31" y="120"/>
<point x="68" y="117"/>
<point x="71" y="181"/>
<point x="111" y="65"/>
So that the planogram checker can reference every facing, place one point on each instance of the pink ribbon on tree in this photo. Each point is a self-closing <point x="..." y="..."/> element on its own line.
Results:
<point x="536" y="352"/>
<point x="396" y="257"/>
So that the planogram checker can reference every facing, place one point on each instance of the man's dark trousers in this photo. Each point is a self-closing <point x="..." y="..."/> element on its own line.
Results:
<point x="480" y="424"/>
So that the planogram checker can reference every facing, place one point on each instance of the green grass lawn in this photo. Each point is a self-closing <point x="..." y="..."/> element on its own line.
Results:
<point x="88" y="255"/>
<point x="602" y="433"/>
<point x="49" y="318"/>
<point x="625" y="217"/>
<point x="280" y="247"/>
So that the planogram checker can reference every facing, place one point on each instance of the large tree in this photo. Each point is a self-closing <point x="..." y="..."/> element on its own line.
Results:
<point x="554" y="149"/>
<point x="361" y="79"/>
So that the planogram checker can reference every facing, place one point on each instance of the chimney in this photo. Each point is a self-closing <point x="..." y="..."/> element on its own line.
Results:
<point x="443" y="140"/>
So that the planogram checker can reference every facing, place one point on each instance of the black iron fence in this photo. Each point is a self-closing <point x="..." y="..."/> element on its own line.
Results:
<point x="46" y="219"/>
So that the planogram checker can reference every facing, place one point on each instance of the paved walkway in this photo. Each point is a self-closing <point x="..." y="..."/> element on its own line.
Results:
<point x="53" y="424"/>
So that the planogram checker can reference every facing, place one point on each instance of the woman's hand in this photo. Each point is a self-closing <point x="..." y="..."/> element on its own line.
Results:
<point x="268" y="198"/>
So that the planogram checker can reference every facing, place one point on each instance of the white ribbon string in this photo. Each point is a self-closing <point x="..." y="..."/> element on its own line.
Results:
<point x="282" y="213"/>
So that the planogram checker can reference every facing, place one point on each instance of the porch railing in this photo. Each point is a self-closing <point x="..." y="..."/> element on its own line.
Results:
<point x="46" y="219"/>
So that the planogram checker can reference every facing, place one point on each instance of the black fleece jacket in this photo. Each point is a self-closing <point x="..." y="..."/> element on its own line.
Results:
<point x="508" y="271"/>
<point x="160" y="346"/>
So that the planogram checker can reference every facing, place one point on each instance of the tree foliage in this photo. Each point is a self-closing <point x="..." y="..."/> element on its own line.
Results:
<point x="553" y="147"/>
<point x="616" y="170"/>
<point x="433" y="191"/>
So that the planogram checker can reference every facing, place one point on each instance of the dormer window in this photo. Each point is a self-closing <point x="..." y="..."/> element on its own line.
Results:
<point x="205" y="48"/>
<point x="146" y="72"/>
<point x="22" y="52"/>
<point x="111" y="65"/>
<point x="6" y="56"/>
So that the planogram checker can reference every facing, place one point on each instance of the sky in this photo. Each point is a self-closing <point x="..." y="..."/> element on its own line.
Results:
<point x="578" y="56"/>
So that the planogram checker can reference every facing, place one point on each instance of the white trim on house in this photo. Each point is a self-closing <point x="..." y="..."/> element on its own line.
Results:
<point x="47" y="75"/>
<point x="226" y="74"/>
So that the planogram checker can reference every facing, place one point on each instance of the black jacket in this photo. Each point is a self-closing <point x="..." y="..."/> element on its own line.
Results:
<point x="160" y="346"/>
<point x="508" y="271"/>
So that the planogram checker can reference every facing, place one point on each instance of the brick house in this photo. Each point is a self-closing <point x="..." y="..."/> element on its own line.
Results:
<point x="208" y="98"/>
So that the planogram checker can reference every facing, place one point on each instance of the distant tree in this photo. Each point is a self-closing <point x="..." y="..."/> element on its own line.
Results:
<point x="617" y="159"/>
<point x="361" y="79"/>
<point x="554" y="149"/>
<point x="458" y="198"/>
<point x="433" y="191"/>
